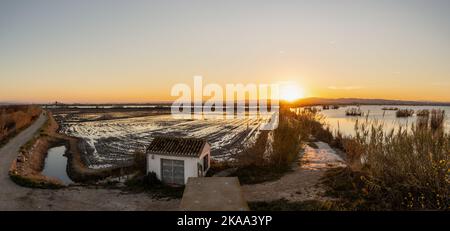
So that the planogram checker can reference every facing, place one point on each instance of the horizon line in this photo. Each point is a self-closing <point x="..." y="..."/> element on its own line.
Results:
<point x="171" y="101"/>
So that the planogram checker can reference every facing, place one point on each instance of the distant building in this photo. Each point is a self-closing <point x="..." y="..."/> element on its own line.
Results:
<point x="174" y="159"/>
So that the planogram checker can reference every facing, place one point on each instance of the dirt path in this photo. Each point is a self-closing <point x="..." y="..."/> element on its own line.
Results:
<point x="14" y="197"/>
<point x="301" y="184"/>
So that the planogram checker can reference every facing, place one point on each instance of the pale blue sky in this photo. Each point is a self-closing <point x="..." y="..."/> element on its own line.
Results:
<point x="123" y="51"/>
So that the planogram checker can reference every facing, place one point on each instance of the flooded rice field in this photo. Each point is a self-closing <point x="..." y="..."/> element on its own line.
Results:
<point x="112" y="142"/>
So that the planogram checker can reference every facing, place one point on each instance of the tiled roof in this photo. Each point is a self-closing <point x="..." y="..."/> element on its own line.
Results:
<point x="176" y="146"/>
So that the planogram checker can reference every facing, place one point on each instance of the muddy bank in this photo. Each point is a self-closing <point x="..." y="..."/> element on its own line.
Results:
<point x="79" y="172"/>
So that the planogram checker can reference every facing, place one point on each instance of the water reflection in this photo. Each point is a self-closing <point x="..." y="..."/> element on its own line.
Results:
<point x="56" y="164"/>
<point x="337" y="119"/>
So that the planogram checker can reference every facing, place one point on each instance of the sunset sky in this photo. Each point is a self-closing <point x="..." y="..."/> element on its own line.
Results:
<point x="135" y="51"/>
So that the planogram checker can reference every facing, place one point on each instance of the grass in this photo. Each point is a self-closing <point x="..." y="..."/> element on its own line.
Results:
<point x="347" y="186"/>
<point x="261" y="162"/>
<point x="401" y="169"/>
<point x="351" y="190"/>
<point x="268" y="160"/>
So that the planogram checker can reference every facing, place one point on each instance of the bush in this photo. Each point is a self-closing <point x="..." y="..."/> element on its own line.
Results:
<point x="353" y="112"/>
<point x="352" y="189"/>
<point x="406" y="168"/>
<point x="389" y="108"/>
<point x="151" y="184"/>
<point x="263" y="162"/>
<point x="151" y="179"/>
<point x="404" y="113"/>
<point x="286" y="141"/>
<point x="15" y="118"/>
<point x="219" y="166"/>
<point x="253" y="174"/>
<point x="140" y="162"/>
<point x="437" y="120"/>
<point x="423" y="112"/>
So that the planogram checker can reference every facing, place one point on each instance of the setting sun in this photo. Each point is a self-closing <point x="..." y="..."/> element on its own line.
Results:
<point x="291" y="92"/>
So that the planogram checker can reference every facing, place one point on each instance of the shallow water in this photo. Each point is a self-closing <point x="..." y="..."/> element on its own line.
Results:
<point x="112" y="142"/>
<point x="337" y="120"/>
<point x="56" y="164"/>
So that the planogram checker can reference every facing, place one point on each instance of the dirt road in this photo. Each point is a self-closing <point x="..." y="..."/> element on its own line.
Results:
<point x="303" y="183"/>
<point x="14" y="197"/>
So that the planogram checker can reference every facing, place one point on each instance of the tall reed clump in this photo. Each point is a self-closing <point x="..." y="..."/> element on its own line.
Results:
<point x="353" y="112"/>
<point x="389" y="108"/>
<point x="423" y="112"/>
<point x="285" y="143"/>
<point x="274" y="151"/>
<point x="437" y="120"/>
<point x="407" y="168"/>
<point x="404" y="113"/>
<point x="286" y="140"/>
<point x="294" y="129"/>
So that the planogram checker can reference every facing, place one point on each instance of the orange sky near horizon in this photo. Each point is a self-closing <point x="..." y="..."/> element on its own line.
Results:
<point x="86" y="52"/>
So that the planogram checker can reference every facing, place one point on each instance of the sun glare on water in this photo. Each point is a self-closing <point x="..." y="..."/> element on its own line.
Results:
<point x="290" y="92"/>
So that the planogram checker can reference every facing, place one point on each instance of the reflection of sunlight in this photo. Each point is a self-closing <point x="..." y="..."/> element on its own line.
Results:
<point x="338" y="121"/>
<point x="291" y="92"/>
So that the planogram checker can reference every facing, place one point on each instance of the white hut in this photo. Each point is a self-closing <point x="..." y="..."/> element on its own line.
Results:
<point x="175" y="159"/>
